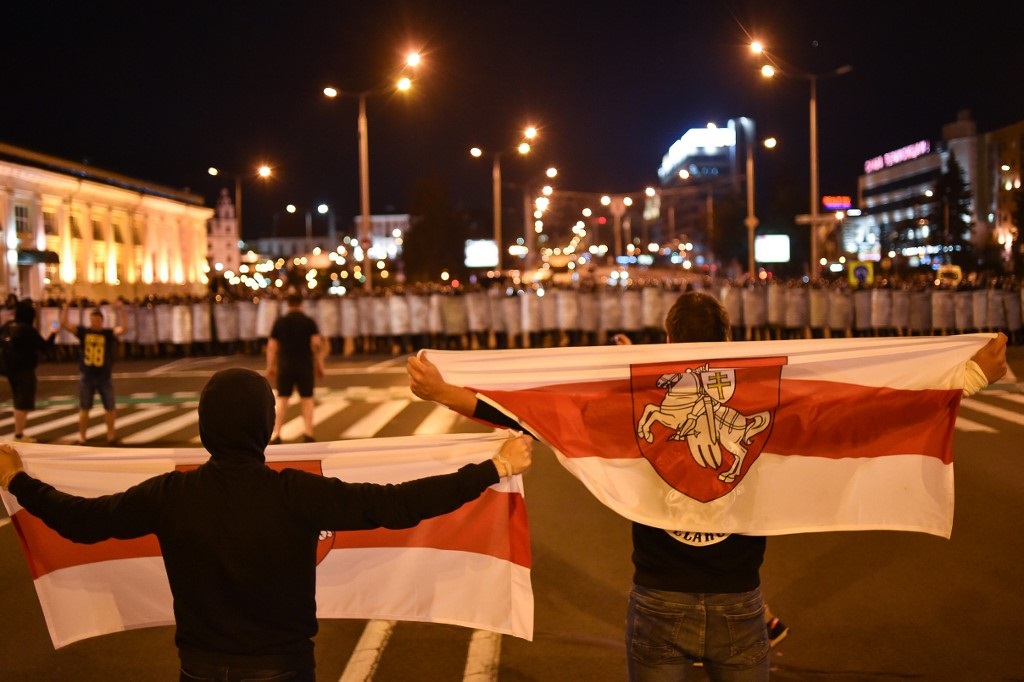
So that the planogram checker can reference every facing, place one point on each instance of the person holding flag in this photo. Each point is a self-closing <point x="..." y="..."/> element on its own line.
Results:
<point x="239" y="539"/>
<point x="696" y="596"/>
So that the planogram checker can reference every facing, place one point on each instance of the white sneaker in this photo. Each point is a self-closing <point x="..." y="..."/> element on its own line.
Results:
<point x="24" y="439"/>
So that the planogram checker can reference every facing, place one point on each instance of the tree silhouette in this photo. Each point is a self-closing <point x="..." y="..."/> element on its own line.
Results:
<point x="949" y="213"/>
<point x="437" y="239"/>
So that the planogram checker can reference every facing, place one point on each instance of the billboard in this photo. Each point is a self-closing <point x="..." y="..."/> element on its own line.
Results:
<point x="481" y="253"/>
<point x="771" y="248"/>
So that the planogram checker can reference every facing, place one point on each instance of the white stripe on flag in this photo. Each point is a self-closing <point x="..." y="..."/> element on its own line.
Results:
<point x="858" y="437"/>
<point x="391" y="579"/>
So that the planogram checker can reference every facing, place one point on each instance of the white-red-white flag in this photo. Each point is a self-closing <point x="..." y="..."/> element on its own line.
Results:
<point x="470" y="567"/>
<point x="765" y="437"/>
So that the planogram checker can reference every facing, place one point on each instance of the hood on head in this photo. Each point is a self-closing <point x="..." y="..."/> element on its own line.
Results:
<point x="236" y="415"/>
<point x="25" y="312"/>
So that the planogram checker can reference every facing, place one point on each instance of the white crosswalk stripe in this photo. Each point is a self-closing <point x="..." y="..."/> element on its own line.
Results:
<point x="969" y="425"/>
<point x="164" y="428"/>
<point x="98" y="430"/>
<point x="30" y="431"/>
<point x="37" y="430"/>
<point x="438" y="421"/>
<point x="293" y="429"/>
<point x="377" y="419"/>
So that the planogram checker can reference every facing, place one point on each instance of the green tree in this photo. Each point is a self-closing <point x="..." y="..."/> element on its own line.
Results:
<point x="436" y="240"/>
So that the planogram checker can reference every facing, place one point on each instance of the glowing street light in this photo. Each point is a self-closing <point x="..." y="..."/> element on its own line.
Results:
<point x="522" y="148"/>
<point x="403" y="84"/>
<point x="769" y="70"/>
<point x="263" y="171"/>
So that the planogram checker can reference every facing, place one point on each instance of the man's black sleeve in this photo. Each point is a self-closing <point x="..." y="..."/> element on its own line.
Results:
<point x="489" y="413"/>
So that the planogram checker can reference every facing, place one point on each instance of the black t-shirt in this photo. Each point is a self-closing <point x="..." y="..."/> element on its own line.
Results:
<point x="680" y="561"/>
<point x="98" y="347"/>
<point x="293" y="332"/>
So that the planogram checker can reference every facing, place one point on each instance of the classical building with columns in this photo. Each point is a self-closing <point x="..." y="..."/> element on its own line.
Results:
<point x="69" y="229"/>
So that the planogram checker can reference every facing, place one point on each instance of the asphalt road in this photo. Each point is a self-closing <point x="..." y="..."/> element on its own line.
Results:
<point x="860" y="605"/>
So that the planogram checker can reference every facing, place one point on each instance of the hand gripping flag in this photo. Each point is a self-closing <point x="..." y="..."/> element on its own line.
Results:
<point x="762" y="438"/>
<point x="470" y="567"/>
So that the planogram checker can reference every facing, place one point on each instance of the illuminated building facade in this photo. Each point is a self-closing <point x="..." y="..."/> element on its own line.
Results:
<point x="894" y="195"/>
<point x="68" y="229"/>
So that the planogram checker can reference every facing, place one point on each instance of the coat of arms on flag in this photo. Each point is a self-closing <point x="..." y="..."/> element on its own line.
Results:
<point x="702" y="425"/>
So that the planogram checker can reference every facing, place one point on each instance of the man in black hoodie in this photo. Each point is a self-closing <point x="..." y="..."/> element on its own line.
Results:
<point x="233" y="527"/>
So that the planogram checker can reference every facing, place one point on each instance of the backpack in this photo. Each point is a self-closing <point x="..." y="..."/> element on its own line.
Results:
<point x="6" y="348"/>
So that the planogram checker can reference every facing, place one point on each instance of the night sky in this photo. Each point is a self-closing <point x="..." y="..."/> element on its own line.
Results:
<point x="162" y="90"/>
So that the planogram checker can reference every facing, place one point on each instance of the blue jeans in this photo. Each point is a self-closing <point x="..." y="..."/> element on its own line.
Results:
<point x="667" y="631"/>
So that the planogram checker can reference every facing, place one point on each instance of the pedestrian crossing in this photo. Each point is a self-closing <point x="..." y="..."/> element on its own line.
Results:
<point x="172" y="420"/>
<point x="360" y="412"/>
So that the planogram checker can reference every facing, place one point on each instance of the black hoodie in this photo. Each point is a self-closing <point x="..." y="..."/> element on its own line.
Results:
<point x="239" y="538"/>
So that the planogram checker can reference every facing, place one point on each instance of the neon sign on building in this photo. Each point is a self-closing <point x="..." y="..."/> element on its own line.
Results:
<point x="889" y="159"/>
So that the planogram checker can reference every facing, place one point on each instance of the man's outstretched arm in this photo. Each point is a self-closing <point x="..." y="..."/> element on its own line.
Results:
<point x="426" y="382"/>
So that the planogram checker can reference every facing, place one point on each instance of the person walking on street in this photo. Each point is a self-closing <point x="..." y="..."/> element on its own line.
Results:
<point x="295" y="359"/>
<point x="22" y="359"/>
<point x="96" y="353"/>
<point x="239" y="539"/>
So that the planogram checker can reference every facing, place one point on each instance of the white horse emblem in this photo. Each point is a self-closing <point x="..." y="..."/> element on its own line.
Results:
<point x="695" y="407"/>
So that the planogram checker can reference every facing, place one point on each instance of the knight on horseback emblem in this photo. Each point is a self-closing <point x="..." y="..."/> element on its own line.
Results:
<point x="696" y="409"/>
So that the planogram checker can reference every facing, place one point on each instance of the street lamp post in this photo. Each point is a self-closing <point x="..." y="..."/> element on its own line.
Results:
<point x="362" y="126"/>
<point x="530" y="229"/>
<point x="322" y="209"/>
<point x="264" y="171"/>
<point x="769" y="71"/>
<point x="496" y="203"/>
<point x="751" y="220"/>
<point x="523" y="148"/>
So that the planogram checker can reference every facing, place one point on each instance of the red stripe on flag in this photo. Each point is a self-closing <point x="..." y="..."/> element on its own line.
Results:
<point x="585" y="419"/>
<point x="826" y="419"/>
<point x="495" y="524"/>
<point x="47" y="551"/>
<point x="814" y="418"/>
<point x="480" y="526"/>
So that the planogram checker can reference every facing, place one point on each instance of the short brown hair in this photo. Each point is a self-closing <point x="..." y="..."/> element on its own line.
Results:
<point x="695" y="317"/>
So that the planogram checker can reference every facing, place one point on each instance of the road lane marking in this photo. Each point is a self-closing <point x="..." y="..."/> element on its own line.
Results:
<point x="483" y="657"/>
<point x="370" y="647"/>
<point x="376" y="419"/>
<point x="159" y="431"/>
<point x="100" y="429"/>
<point x="440" y="420"/>
<point x="971" y="426"/>
<point x="33" y="416"/>
<point x="992" y="411"/>
<point x="295" y="428"/>
<point x="38" y="430"/>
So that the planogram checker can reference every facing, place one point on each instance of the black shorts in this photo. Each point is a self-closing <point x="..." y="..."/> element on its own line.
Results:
<point x="23" y="389"/>
<point x="291" y="378"/>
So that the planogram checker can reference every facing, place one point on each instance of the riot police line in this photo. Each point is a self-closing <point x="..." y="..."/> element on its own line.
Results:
<point x="398" y="320"/>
